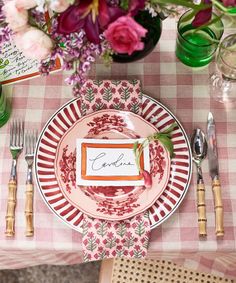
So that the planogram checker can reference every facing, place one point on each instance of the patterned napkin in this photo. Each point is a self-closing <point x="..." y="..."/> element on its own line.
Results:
<point x="102" y="238"/>
<point x="106" y="94"/>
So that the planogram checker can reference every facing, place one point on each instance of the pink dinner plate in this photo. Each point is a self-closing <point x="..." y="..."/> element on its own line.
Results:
<point x="55" y="165"/>
<point x="113" y="202"/>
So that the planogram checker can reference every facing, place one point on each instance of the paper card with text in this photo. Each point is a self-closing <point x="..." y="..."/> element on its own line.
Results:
<point x="15" y="67"/>
<point x="103" y="162"/>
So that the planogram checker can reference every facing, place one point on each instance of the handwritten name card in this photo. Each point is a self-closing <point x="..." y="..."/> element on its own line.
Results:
<point x="14" y="66"/>
<point x="109" y="163"/>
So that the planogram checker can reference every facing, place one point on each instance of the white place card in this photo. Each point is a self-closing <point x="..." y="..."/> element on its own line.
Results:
<point x="102" y="162"/>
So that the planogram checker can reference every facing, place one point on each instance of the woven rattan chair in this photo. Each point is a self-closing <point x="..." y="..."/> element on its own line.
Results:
<point x="152" y="271"/>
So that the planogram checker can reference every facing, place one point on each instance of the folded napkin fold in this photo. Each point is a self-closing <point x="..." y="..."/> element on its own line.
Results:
<point x="103" y="238"/>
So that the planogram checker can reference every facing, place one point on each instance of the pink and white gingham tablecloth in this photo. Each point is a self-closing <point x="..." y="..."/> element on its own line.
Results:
<point x="185" y="92"/>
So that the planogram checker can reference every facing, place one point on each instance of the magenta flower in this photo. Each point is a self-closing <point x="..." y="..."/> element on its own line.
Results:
<point x="135" y="6"/>
<point x="203" y="16"/>
<point x="91" y="15"/>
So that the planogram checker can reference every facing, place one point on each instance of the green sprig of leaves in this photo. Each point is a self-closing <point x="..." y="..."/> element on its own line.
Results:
<point x="165" y="139"/>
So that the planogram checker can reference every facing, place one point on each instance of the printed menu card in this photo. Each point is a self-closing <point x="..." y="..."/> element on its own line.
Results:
<point x="14" y="66"/>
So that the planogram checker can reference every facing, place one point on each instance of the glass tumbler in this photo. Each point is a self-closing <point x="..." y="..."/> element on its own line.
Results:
<point x="5" y="107"/>
<point x="195" y="47"/>
<point x="223" y="80"/>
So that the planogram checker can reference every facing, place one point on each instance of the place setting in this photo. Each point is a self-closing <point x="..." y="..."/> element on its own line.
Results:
<point x="113" y="168"/>
<point x="129" y="161"/>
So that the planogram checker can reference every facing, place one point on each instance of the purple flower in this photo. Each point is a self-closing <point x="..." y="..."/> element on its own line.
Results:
<point x="88" y="15"/>
<point x="203" y="16"/>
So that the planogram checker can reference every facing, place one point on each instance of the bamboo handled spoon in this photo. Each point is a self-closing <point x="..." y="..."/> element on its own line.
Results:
<point x="199" y="150"/>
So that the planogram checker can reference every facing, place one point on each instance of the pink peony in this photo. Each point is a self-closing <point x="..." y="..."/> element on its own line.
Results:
<point x="17" y="18"/>
<point x="34" y="43"/>
<point x="125" y="35"/>
<point x="59" y="6"/>
<point x="25" y="4"/>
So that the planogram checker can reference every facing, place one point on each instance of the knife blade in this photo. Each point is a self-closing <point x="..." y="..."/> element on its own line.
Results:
<point x="214" y="173"/>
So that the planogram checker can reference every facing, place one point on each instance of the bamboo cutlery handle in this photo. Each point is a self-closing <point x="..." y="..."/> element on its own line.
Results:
<point x="201" y="207"/>
<point x="11" y="205"/>
<point x="216" y="187"/>
<point x="29" y="210"/>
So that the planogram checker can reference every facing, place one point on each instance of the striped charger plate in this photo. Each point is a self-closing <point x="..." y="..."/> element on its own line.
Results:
<point x="64" y="118"/>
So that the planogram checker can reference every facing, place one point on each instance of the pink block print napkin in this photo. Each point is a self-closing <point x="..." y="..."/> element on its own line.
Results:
<point x="108" y="239"/>
<point x="103" y="238"/>
<point x="120" y="95"/>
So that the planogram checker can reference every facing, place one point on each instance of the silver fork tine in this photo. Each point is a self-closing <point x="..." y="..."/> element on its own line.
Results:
<point x="17" y="133"/>
<point x="14" y="132"/>
<point x="11" y="133"/>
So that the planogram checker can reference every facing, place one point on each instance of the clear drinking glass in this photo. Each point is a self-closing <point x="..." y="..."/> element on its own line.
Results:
<point x="196" y="47"/>
<point x="5" y="107"/>
<point x="223" y="80"/>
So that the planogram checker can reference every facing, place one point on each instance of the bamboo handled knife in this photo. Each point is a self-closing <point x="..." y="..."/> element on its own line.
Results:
<point x="214" y="173"/>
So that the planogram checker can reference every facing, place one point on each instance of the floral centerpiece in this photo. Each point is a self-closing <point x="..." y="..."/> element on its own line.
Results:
<point x="79" y="30"/>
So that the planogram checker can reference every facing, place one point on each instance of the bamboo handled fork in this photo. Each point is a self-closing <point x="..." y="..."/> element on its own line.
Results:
<point x="16" y="146"/>
<point x="30" y="141"/>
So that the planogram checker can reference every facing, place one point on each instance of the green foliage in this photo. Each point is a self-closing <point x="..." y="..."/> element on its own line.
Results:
<point x="124" y="4"/>
<point x="163" y="137"/>
<point x="3" y="63"/>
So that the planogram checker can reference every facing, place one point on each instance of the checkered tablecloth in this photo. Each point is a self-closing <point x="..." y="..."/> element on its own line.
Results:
<point x="185" y="92"/>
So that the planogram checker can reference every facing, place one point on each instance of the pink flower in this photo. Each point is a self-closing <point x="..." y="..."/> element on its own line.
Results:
<point x="25" y="4"/>
<point x="59" y="6"/>
<point x="17" y="18"/>
<point x="34" y="43"/>
<point x="125" y="35"/>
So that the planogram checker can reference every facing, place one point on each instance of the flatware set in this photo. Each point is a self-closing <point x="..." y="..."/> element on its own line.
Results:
<point x="202" y="146"/>
<point x="18" y="140"/>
